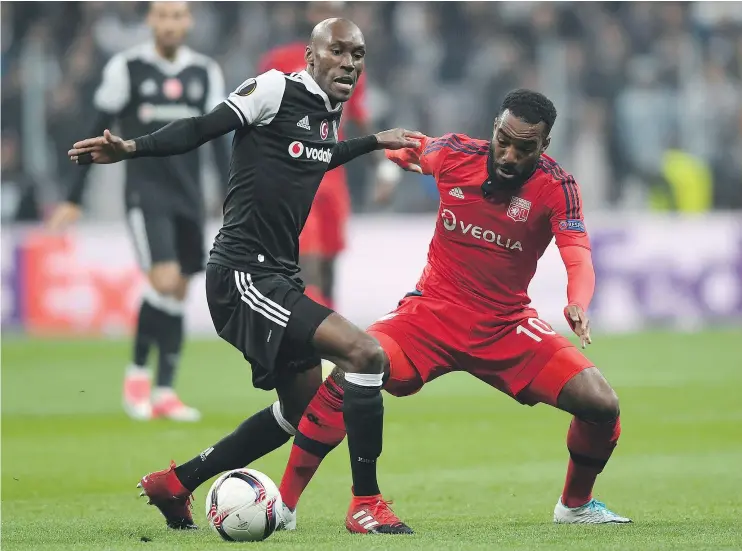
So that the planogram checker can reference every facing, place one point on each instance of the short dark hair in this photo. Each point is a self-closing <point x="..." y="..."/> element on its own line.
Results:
<point x="531" y="107"/>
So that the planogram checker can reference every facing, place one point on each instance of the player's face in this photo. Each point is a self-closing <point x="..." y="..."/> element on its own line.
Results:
<point x="516" y="148"/>
<point x="170" y="22"/>
<point x="336" y="61"/>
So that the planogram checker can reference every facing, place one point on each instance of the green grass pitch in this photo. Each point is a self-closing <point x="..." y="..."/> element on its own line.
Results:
<point x="467" y="467"/>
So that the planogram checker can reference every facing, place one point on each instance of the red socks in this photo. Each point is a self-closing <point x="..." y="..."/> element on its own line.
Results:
<point x="320" y="430"/>
<point x="590" y="446"/>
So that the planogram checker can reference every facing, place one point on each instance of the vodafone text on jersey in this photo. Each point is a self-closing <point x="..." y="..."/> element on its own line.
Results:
<point x="297" y="149"/>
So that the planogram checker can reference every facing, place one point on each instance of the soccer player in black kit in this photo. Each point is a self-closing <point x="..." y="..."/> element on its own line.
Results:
<point x="143" y="89"/>
<point x="253" y="290"/>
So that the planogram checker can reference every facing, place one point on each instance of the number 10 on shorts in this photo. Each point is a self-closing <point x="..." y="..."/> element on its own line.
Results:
<point x="540" y="326"/>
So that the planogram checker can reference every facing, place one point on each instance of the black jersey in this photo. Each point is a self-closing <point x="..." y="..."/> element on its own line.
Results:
<point x="145" y="92"/>
<point x="279" y="157"/>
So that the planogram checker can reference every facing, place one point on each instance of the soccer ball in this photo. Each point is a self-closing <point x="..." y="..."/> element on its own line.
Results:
<point x="242" y="505"/>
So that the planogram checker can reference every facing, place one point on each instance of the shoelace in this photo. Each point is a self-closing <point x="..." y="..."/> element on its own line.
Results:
<point x="383" y="514"/>
<point x="596" y="505"/>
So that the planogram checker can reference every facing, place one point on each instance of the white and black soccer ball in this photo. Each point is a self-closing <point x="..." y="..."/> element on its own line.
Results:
<point x="242" y="505"/>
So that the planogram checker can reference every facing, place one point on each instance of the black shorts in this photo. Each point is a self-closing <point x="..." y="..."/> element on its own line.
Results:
<point x="266" y="317"/>
<point x="163" y="236"/>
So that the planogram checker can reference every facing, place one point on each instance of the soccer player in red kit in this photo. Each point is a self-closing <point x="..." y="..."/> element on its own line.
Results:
<point x="323" y="237"/>
<point x="502" y="202"/>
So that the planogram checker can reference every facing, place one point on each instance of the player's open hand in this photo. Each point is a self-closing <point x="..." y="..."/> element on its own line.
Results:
<point x="579" y="323"/>
<point x="399" y="138"/>
<point x="102" y="150"/>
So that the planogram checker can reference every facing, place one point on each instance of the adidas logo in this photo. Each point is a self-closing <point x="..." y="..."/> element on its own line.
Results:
<point x="304" y="123"/>
<point x="367" y="521"/>
<point x="456" y="192"/>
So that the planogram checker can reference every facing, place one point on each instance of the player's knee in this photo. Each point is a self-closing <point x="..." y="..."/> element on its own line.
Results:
<point x="602" y="406"/>
<point x="367" y="356"/>
<point x="293" y="416"/>
<point x="166" y="279"/>
<point x="287" y="416"/>
<point x="181" y="289"/>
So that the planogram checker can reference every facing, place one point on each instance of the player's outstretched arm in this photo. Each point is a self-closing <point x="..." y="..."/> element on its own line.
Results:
<point x="568" y="228"/>
<point x="580" y="289"/>
<point x="398" y="138"/>
<point x="176" y="138"/>
<point x="429" y="158"/>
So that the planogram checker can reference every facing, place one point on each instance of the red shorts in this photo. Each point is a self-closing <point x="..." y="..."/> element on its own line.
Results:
<point x="324" y="231"/>
<point x="429" y="337"/>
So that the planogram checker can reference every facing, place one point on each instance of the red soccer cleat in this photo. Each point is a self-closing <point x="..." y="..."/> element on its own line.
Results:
<point x="174" y="501"/>
<point x="372" y="515"/>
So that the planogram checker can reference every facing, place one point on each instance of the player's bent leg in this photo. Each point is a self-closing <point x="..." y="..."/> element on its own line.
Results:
<point x="171" y="489"/>
<point x="363" y="361"/>
<point x="320" y="430"/>
<point x="565" y="382"/>
<point x="167" y="294"/>
<point x="400" y="376"/>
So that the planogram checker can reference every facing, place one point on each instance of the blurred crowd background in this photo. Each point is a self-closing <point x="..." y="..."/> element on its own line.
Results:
<point x="649" y="94"/>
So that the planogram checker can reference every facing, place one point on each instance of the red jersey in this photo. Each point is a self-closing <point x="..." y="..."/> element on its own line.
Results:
<point x="290" y="59"/>
<point x="485" y="249"/>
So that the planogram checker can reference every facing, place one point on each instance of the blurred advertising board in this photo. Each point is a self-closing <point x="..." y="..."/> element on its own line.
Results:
<point x="652" y="271"/>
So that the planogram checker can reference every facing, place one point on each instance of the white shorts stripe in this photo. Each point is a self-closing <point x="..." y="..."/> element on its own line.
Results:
<point x="269" y="301"/>
<point x="139" y="233"/>
<point x="269" y="305"/>
<point x="250" y="301"/>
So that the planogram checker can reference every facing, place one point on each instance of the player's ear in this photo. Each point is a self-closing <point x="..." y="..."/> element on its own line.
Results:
<point x="545" y="145"/>
<point x="309" y="56"/>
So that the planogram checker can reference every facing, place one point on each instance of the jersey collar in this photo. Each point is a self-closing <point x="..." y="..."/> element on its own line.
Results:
<point x="313" y="87"/>
<point x="183" y="58"/>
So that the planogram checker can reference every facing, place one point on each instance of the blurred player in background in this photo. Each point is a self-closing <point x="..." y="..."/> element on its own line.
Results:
<point x="502" y="202"/>
<point x="143" y="89"/>
<point x="323" y="236"/>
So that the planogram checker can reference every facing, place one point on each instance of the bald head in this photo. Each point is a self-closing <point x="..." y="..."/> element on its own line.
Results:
<point x="335" y="27"/>
<point x="335" y="57"/>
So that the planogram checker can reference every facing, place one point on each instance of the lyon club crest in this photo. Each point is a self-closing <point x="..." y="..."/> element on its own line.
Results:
<point x="324" y="129"/>
<point x="519" y="209"/>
